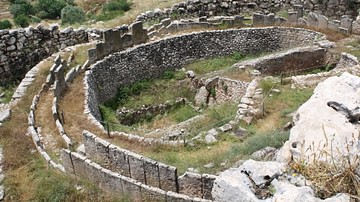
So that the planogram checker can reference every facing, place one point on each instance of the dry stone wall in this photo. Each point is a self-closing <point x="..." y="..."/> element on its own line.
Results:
<point x="234" y="7"/>
<point x="152" y="59"/>
<point x="21" y="49"/>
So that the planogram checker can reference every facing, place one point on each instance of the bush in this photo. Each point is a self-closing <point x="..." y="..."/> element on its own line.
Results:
<point x="72" y="15"/>
<point x="5" y="24"/>
<point x="52" y="8"/>
<point x="117" y="5"/>
<point x="21" y="7"/>
<point x="22" y="20"/>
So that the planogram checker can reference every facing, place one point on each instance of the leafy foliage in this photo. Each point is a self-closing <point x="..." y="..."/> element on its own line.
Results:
<point x="72" y="14"/>
<point x="21" y="7"/>
<point x="5" y="24"/>
<point x="50" y="8"/>
<point x="22" y="20"/>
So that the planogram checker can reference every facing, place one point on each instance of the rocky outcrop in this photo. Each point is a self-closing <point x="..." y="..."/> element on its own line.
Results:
<point x="320" y="132"/>
<point x="264" y="181"/>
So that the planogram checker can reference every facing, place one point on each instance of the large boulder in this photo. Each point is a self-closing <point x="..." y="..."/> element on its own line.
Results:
<point x="256" y="181"/>
<point x="320" y="132"/>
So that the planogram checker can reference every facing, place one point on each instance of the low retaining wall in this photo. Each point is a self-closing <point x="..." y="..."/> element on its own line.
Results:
<point x="145" y="170"/>
<point x="298" y="59"/>
<point x="115" y="183"/>
<point x="152" y="59"/>
<point x="23" y="48"/>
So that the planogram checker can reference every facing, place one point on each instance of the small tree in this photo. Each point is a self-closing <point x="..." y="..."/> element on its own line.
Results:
<point x="5" y="24"/>
<point x="22" y="20"/>
<point x="72" y="14"/>
<point x="21" y="7"/>
<point x="52" y="8"/>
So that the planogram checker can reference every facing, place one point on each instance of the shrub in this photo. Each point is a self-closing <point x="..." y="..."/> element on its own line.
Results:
<point x="21" y="7"/>
<point x="72" y="15"/>
<point x="52" y="8"/>
<point x="117" y="5"/>
<point x="22" y="20"/>
<point x="5" y="24"/>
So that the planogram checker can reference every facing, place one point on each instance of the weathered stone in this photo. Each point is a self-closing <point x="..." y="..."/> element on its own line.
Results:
<point x="321" y="132"/>
<point x="225" y="128"/>
<point x="267" y="153"/>
<point x="210" y="139"/>
<point x="5" y="115"/>
<point x="139" y="35"/>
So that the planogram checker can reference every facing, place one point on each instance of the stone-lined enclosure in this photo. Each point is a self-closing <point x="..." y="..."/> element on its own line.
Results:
<point x="152" y="59"/>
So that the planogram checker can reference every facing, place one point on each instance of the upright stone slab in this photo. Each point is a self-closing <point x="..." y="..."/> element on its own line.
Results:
<point x="322" y="22"/>
<point x="149" y="193"/>
<point x="334" y="25"/>
<point x="258" y="19"/>
<point x="292" y="17"/>
<point x="168" y="178"/>
<point x="300" y="10"/>
<point x="60" y="78"/>
<point x="102" y="152"/>
<point x="139" y="35"/>
<point x="207" y="182"/>
<point x="127" y="41"/>
<point x="131" y="188"/>
<point x="239" y="20"/>
<point x="112" y="182"/>
<point x="92" y="55"/>
<point x="356" y="26"/>
<point x="66" y="161"/>
<point x="346" y="22"/>
<point x="113" y="39"/>
<point x="151" y="172"/>
<point x="137" y="171"/>
<point x="191" y="184"/>
<point x="79" y="165"/>
<point x="119" y="160"/>
<point x="94" y="172"/>
<point x="269" y="19"/>
<point x="312" y="19"/>
<point x="89" y="143"/>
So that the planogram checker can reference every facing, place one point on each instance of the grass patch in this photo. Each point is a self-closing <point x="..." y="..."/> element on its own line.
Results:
<point x="8" y="92"/>
<point x="223" y="154"/>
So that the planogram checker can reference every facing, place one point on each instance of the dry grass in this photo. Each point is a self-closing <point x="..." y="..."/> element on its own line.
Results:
<point x="137" y="7"/>
<point x="328" y="179"/>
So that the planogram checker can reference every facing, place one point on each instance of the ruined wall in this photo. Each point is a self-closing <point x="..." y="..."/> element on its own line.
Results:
<point x="21" y="49"/>
<point x="152" y="59"/>
<point x="334" y="9"/>
<point x="145" y="170"/>
<point x="117" y="184"/>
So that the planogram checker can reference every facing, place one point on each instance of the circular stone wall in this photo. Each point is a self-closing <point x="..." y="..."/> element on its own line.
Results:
<point x="152" y="59"/>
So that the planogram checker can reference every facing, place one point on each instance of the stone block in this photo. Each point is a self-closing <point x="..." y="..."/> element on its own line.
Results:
<point x="322" y="22"/>
<point x="139" y="35"/>
<point x="269" y="19"/>
<point x="127" y="41"/>
<point x="119" y="160"/>
<point x="346" y="22"/>
<point x="239" y="20"/>
<point x="111" y="182"/>
<point x="94" y="172"/>
<point x="132" y="188"/>
<point x="258" y="19"/>
<point x="66" y="161"/>
<point x="334" y="25"/>
<point x="89" y="143"/>
<point x="79" y="165"/>
<point x="149" y="193"/>
<point x="168" y="177"/>
<point x="113" y="39"/>
<point x="151" y="172"/>
<point x="191" y="184"/>
<point x="312" y="19"/>
<point x="175" y="197"/>
<point x="207" y="185"/>
<point x="137" y="171"/>
<point x="292" y="17"/>
<point x="92" y="55"/>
